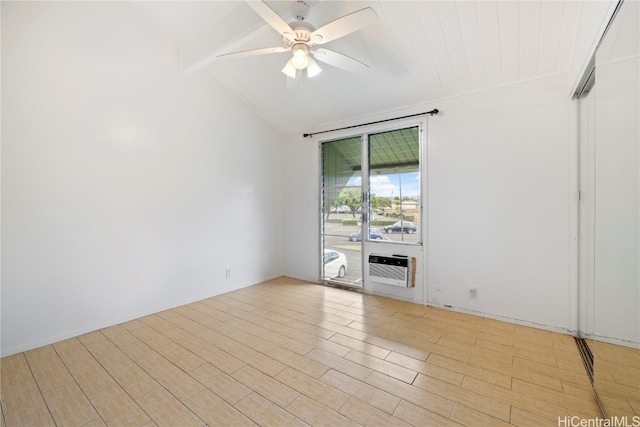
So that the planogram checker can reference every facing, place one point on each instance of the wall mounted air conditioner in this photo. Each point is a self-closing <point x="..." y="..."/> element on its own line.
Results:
<point x="395" y="270"/>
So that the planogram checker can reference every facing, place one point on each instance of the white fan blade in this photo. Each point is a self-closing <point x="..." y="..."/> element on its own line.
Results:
<point x="339" y="60"/>
<point x="273" y="19"/>
<point x="343" y="26"/>
<point x="253" y="52"/>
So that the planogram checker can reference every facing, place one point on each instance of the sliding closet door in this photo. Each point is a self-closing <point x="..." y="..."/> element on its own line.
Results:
<point x="616" y="178"/>
<point x="610" y="216"/>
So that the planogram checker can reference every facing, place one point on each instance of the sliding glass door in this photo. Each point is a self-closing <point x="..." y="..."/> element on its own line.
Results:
<point x="371" y="195"/>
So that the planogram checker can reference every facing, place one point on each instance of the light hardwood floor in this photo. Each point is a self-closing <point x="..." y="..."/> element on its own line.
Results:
<point x="617" y="379"/>
<point x="287" y="352"/>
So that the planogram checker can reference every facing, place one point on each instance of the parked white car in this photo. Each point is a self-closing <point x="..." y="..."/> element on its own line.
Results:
<point x="335" y="264"/>
<point x="340" y="209"/>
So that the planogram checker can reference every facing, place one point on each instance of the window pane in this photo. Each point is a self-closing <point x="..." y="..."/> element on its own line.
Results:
<point x="342" y="213"/>
<point x="394" y="185"/>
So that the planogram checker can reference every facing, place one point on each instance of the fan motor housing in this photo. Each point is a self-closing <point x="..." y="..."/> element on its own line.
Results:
<point x="303" y="31"/>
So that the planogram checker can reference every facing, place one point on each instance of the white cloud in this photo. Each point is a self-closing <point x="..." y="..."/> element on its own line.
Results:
<point x="389" y="185"/>
<point x="381" y="186"/>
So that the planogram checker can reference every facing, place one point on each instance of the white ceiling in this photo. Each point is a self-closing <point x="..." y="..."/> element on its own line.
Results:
<point x="418" y="51"/>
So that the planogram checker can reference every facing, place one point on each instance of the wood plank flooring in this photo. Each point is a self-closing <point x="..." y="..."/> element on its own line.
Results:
<point x="287" y="352"/>
<point x="617" y="379"/>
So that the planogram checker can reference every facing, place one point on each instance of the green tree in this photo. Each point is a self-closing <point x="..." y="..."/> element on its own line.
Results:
<point x="349" y="196"/>
<point x="380" y="202"/>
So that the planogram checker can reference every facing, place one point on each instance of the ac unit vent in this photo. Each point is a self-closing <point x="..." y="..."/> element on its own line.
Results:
<point x="389" y="269"/>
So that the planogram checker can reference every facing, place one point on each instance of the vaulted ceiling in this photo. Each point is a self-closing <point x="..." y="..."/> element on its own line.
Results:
<point x="418" y="51"/>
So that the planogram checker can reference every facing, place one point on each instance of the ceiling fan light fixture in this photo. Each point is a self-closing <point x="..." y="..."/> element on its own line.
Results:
<point x="300" y="37"/>
<point x="300" y="58"/>
<point x="313" y="69"/>
<point x="289" y="69"/>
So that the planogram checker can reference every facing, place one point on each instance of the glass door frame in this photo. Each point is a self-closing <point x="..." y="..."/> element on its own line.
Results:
<point x="363" y="208"/>
<point x="421" y="125"/>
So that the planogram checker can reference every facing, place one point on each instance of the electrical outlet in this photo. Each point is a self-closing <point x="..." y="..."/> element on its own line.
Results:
<point x="473" y="291"/>
<point x="438" y="285"/>
<point x="227" y="273"/>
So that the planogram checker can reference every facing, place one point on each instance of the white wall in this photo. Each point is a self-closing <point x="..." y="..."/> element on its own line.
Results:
<point x="126" y="187"/>
<point x="498" y="203"/>
<point x="301" y="194"/>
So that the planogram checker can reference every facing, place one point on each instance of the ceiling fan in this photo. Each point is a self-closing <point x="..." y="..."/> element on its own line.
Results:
<point x="303" y="39"/>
